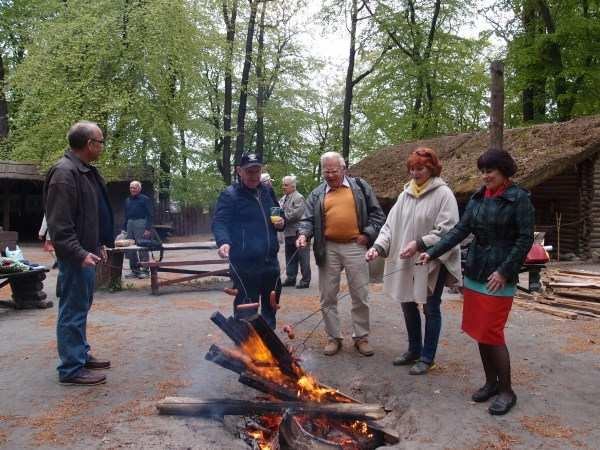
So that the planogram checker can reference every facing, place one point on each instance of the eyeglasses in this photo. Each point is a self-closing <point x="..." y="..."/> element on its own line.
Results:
<point x="99" y="141"/>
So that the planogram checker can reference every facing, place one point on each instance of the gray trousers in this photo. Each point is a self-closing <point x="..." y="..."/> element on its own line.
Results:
<point x="135" y="230"/>
<point x="351" y="258"/>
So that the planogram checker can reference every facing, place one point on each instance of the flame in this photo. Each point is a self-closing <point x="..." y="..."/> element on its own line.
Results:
<point x="259" y="360"/>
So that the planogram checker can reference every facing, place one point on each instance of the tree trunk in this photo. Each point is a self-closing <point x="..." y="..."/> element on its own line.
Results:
<point x="3" y="105"/>
<point x="225" y="164"/>
<point x="241" y="118"/>
<point x="261" y="94"/>
<point x="497" y="105"/>
<point x="349" y="87"/>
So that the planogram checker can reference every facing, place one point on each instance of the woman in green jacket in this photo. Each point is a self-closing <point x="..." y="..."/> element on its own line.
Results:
<point x="501" y="217"/>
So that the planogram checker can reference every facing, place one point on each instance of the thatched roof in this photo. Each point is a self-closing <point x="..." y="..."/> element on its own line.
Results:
<point x="18" y="170"/>
<point x="541" y="152"/>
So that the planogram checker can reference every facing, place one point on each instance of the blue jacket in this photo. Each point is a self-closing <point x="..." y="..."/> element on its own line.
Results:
<point x="138" y="207"/>
<point x="242" y="220"/>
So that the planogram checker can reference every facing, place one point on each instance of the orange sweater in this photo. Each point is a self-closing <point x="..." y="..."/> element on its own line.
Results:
<point x="341" y="220"/>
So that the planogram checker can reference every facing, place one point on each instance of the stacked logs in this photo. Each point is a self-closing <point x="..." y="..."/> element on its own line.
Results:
<point x="570" y="294"/>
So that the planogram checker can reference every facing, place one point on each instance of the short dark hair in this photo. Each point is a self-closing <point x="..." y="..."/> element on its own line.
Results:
<point x="498" y="159"/>
<point x="80" y="133"/>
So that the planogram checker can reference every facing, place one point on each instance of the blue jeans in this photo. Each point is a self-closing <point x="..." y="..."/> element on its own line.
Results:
<point x="76" y="295"/>
<point x="433" y="322"/>
<point x="256" y="284"/>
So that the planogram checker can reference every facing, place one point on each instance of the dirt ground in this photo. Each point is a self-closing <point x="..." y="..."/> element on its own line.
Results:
<point x="157" y="346"/>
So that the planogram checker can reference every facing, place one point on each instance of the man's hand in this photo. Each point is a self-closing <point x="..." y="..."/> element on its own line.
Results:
<point x="496" y="282"/>
<point x="423" y="258"/>
<point x="301" y="241"/>
<point x="410" y="250"/>
<point x="147" y="234"/>
<point x="223" y="251"/>
<point x="371" y="254"/>
<point x="362" y="239"/>
<point x="90" y="260"/>
<point x="279" y="223"/>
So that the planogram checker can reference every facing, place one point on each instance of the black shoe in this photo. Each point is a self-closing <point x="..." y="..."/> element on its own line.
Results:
<point x="84" y="378"/>
<point x="406" y="359"/>
<point x="303" y="285"/>
<point x="502" y="404"/>
<point x="96" y="364"/>
<point x="484" y="393"/>
<point x="289" y="282"/>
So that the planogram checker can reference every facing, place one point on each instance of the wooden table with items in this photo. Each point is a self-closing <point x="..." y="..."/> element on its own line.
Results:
<point x="27" y="289"/>
<point x="156" y="264"/>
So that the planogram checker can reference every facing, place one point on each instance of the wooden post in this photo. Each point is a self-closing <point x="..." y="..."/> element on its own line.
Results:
<point x="497" y="105"/>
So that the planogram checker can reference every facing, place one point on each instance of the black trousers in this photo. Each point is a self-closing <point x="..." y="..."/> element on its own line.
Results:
<point x="302" y="257"/>
<point x="254" y="284"/>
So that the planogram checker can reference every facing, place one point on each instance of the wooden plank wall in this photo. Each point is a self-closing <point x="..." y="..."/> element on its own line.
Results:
<point x="561" y="194"/>
<point x="594" y="211"/>
<point x="190" y="221"/>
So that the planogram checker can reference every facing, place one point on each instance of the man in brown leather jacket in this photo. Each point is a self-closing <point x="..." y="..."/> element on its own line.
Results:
<point x="80" y="221"/>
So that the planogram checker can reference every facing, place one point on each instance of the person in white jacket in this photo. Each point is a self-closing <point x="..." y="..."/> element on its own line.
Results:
<point x="424" y="212"/>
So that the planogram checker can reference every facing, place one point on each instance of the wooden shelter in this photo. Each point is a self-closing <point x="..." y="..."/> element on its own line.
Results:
<point x="558" y="163"/>
<point x="21" y="186"/>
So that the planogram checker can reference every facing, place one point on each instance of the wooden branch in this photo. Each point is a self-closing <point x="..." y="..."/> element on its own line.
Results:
<point x="187" y="406"/>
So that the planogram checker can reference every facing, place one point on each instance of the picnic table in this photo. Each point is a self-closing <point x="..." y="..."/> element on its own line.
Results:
<point x="27" y="289"/>
<point x="157" y="265"/>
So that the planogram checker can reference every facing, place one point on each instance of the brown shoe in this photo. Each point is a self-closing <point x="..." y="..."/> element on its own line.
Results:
<point x="84" y="378"/>
<point x="96" y="364"/>
<point x="332" y="347"/>
<point x="363" y="347"/>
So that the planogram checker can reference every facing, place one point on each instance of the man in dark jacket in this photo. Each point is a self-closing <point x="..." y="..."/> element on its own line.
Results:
<point x="80" y="221"/>
<point x="138" y="226"/>
<point x="246" y="232"/>
<point x="344" y="218"/>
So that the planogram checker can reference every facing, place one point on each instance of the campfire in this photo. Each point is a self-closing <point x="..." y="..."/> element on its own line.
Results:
<point x="296" y="411"/>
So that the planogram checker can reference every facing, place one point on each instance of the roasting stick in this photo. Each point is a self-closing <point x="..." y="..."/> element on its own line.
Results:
<point x="325" y="312"/>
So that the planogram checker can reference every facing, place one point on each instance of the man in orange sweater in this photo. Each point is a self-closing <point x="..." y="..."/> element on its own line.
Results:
<point x="344" y="218"/>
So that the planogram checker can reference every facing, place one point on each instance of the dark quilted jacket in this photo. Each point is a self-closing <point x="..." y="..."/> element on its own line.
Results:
<point x="503" y="234"/>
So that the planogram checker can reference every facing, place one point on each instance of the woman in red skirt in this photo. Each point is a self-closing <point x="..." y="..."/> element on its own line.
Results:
<point x="501" y="217"/>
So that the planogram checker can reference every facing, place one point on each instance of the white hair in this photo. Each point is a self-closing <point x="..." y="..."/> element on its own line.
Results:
<point x="265" y="177"/>
<point x="333" y="155"/>
<point x="290" y="179"/>
<point x="135" y="183"/>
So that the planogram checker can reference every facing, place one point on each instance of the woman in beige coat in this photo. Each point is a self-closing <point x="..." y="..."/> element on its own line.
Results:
<point x="424" y="211"/>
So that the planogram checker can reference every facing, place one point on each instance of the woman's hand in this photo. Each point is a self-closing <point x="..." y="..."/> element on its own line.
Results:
<point x="371" y="254"/>
<point x="423" y="258"/>
<point x="410" y="250"/>
<point x="496" y="282"/>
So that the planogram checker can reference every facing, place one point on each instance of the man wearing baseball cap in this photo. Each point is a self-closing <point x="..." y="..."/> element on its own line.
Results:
<point x="245" y="227"/>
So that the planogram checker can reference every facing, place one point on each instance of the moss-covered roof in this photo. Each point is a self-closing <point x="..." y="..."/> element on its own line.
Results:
<point x="541" y="152"/>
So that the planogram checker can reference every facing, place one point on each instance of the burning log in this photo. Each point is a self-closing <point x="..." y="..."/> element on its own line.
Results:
<point x="225" y="359"/>
<point x="225" y="407"/>
<point x="278" y="349"/>
<point x="236" y="330"/>
<point x="268" y="387"/>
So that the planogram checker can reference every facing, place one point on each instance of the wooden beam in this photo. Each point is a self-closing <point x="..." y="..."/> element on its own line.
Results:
<point x="497" y="105"/>
<point x="225" y="359"/>
<point x="278" y="349"/>
<point x="187" y="406"/>
<point x="236" y="330"/>
<point x="268" y="387"/>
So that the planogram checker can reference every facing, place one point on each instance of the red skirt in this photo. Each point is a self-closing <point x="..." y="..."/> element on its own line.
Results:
<point x="484" y="316"/>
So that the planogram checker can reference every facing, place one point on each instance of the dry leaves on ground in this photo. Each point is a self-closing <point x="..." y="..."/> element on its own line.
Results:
<point x="547" y="427"/>
<point x="496" y="439"/>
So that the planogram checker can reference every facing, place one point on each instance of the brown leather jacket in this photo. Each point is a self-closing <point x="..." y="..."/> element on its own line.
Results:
<point x="71" y="203"/>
